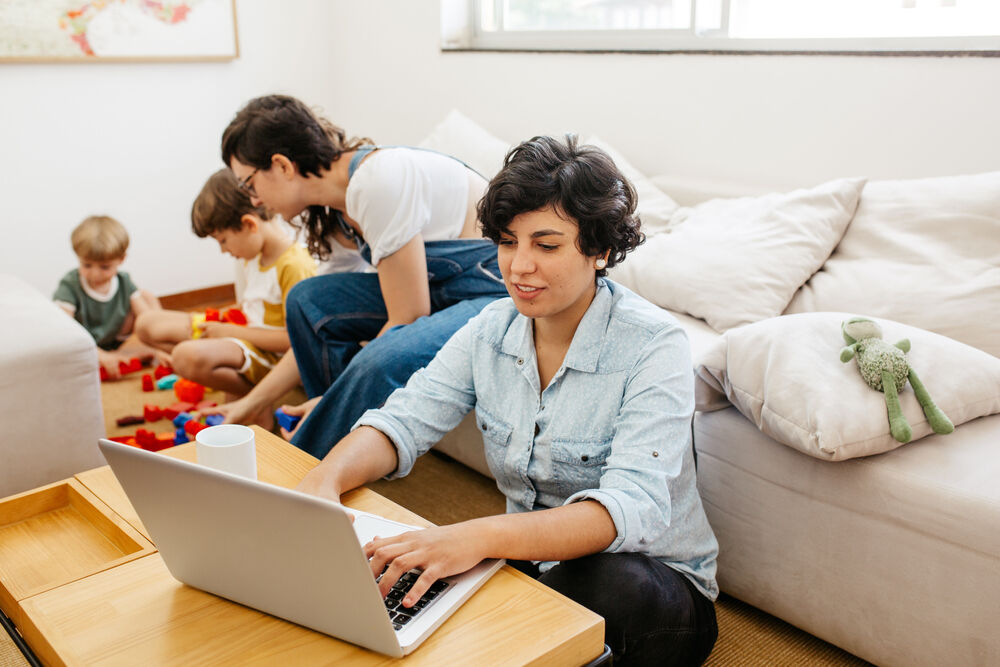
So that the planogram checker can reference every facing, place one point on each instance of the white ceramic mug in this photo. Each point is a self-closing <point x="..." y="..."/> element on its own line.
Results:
<point x="229" y="448"/>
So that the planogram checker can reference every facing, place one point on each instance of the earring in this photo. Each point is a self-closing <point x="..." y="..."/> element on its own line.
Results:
<point x="600" y="264"/>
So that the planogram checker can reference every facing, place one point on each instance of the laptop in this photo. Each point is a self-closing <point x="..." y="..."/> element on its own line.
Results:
<point x="283" y="552"/>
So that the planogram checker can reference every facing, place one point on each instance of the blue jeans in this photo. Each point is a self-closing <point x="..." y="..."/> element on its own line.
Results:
<point x="328" y="317"/>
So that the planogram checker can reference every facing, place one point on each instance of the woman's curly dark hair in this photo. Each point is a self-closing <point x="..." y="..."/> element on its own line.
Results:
<point x="579" y="182"/>
<point x="285" y="125"/>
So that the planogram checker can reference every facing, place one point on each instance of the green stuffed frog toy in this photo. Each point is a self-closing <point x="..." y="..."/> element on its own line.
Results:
<point x="885" y="368"/>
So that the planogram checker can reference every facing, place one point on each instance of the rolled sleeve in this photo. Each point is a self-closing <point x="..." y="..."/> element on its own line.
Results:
<point x="652" y="436"/>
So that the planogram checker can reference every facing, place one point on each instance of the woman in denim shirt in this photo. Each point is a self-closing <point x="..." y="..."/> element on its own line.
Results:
<point x="409" y="212"/>
<point x="583" y="392"/>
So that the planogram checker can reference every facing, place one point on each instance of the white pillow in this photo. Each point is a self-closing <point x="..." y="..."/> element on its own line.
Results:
<point x="785" y="375"/>
<point x="737" y="261"/>
<point x="459" y="136"/>
<point x="925" y="252"/>
<point x="654" y="206"/>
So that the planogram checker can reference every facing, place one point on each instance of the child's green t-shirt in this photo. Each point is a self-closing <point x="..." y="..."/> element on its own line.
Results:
<point x="104" y="316"/>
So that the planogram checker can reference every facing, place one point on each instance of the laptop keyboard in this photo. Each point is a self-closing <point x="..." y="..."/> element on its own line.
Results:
<point x="400" y="615"/>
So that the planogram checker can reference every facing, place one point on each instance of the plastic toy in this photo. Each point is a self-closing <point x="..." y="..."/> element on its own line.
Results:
<point x="129" y="420"/>
<point x="133" y="365"/>
<point x="181" y="436"/>
<point x="188" y="390"/>
<point x="162" y="371"/>
<point x="166" y="382"/>
<point x="235" y="316"/>
<point x="192" y="426"/>
<point x="285" y="420"/>
<point x="152" y="413"/>
<point x="205" y="405"/>
<point x="885" y="368"/>
<point x="212" y="315"/>
<point x="182" y="418"/>
<point x="214" y="420"/>
<point x="147" y="382"/>
<point x="171" y="411"/>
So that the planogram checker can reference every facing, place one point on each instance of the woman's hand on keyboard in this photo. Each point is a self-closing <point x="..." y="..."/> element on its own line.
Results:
<point x="439" y="552"/>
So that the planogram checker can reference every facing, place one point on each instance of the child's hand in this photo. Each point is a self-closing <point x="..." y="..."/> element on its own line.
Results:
<point x="109" y="362"/>
<point x="302" y="410"/>
<point x="220" y="330"/>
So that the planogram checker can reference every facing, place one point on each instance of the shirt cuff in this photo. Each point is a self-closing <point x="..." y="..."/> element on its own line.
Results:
<point x="611" y="500"/>
<point x="405" y="455"/>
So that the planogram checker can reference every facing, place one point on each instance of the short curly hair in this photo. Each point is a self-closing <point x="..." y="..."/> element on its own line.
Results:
<point x="579" y="182"/>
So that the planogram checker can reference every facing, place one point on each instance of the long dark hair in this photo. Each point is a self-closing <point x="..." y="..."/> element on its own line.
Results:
<point x="280" y="124"/>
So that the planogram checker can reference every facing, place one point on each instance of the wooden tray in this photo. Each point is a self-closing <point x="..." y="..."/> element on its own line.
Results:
<point x="56" y="534"/>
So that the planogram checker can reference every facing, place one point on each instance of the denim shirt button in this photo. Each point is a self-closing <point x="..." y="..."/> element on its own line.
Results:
<point x="584" y="458"/>
<point x="484" y="426"/>
<point x="656" y="454"/>
<point x="520" y="362"/>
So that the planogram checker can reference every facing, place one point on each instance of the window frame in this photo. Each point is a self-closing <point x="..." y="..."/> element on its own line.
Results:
<point x="465" y="35"/>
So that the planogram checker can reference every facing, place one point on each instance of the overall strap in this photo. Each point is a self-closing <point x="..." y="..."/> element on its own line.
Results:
<point x="360" y="154"/>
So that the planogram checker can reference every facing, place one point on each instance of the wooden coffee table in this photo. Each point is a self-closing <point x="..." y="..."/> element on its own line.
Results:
<point x="134" y="612"/>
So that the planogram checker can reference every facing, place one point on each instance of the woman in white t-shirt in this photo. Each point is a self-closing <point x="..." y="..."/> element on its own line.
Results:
<point x="410" y="212"/>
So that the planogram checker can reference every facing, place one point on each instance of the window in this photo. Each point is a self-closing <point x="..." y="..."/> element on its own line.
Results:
<point x="848" y="26"/>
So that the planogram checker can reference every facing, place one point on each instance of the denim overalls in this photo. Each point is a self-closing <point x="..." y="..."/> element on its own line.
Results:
<point x="328" y="316"/>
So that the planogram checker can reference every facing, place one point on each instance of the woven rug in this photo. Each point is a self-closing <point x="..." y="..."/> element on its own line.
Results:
<point x="444" y="491"/>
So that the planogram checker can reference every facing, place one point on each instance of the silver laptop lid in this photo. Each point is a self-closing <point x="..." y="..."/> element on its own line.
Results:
<point x="283" y="552"/>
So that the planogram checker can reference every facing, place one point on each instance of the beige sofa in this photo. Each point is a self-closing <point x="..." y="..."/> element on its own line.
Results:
<point x="50" y="398"/>
<point x="887" y="550"/>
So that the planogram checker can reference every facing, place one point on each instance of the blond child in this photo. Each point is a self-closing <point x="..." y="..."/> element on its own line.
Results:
<point x="101" y="298"/>
<point x="226" y="356"/>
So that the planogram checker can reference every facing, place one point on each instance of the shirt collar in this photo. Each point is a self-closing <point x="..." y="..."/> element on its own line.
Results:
<point x="585" y="350"/>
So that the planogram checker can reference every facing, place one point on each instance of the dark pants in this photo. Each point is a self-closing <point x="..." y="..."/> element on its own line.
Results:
<point x="653" y="615"/>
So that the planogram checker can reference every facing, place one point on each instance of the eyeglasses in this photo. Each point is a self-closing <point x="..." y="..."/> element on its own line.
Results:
<point x="245" y="184"/>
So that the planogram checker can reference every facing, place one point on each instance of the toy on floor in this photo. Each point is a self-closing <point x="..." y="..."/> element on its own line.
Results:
<point x="129" y="420"/>
<point x="147" y="382"/>
<point x="167" y="381"/>
<point x="285" y="420"/>
<point x="885" y="368"/>
<point x="188" y="390"/>
<point x="133" y="365"/>
<point x="161" y="371"/>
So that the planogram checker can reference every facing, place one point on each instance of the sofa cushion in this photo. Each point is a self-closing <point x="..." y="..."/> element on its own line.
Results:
<point x="460" y="136"/>
<point x="785" y="375"/>
<point x="925" y="252"/>
<point x="735" y="261"/>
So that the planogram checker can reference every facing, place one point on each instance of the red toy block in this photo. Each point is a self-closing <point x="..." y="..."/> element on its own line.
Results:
<point x="152" y="413"/>
<point x="235" y="316"/>
<point x="104" y="374"/>
<point x="147" y="382"/>
<point x="192" y="426"/>
<point x="129" y="420"/>
<point x="189" y="391"/>
<point x="171" y="411"/>
<point x="162" y="441"/>
<point x="162" y="370"/>
<point x="122" y="439"/>
<point x="205" y="405"/>
<point x="145" y="438"/>
<point x="212" y="315"/>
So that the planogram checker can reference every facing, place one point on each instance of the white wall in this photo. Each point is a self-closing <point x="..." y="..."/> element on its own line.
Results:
<point x="137" y="141"/>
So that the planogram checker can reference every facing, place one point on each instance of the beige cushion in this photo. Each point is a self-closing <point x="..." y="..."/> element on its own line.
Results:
<point x="653" y="206"/>
<point x="735" y="261"/>
<point x="459" y="136"/>
<point x="925" y="252"/>
<point x="785" y="375"/>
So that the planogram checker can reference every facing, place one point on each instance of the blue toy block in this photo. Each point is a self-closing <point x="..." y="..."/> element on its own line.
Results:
<point x="214" y="420"/>
<point x="166" y="382"/>
<point x="180" y="436"/>
<point x="182" y="419"/>
<point x="285" y="420"/>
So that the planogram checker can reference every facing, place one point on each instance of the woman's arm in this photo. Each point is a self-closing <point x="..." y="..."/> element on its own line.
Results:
<point x="402" y="277"/>
<point x="560" y="533"/>
<point x="363" y="455"/>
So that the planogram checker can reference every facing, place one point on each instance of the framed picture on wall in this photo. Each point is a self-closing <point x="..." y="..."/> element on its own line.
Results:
<point x="117" y="30"/>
